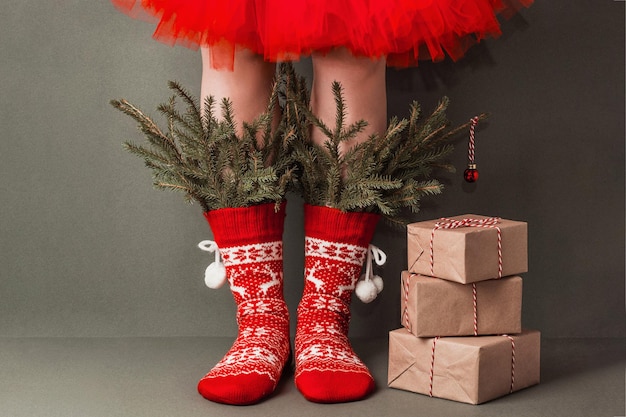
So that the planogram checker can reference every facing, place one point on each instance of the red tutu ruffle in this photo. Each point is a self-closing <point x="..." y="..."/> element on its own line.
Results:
<point x="402" y="30"/>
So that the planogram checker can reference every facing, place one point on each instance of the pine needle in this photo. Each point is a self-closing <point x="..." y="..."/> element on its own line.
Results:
<point x="203" y="157"/>
<point x="385" y="174"/>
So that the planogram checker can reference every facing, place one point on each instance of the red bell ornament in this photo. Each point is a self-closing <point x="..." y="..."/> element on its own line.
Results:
<point x="471" y="173"/>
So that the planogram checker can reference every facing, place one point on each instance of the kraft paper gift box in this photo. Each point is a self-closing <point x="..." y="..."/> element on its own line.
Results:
<point x="436" y="307"/>
<point x="468" y="248"/>
<point x="465" y="369"/>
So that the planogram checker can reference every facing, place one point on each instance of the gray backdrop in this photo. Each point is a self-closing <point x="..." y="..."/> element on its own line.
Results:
<point x="88" y="248"/>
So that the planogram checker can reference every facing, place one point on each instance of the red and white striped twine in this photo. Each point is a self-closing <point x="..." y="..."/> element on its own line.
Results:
<point x="444" y="223"/>
<point x="475" y="303"/>
<point x="432" y="364"/>
<point x="512" y="361"/>
<point x="432" y="367"/>
<point x="470" y="148"/>
<point x="405" y="289"/>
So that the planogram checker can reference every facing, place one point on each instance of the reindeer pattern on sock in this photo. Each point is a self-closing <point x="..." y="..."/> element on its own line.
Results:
<point x="255" y="277"/>
<point x="331" y="272"/>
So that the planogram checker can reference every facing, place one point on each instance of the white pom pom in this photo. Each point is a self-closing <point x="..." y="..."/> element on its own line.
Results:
<point x="366" y="291"/>
<point x="215" y="275"/>
<point x="378" y="282"/>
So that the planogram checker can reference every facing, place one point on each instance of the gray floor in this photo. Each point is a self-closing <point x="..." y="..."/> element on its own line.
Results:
<point x="157" y="376"/>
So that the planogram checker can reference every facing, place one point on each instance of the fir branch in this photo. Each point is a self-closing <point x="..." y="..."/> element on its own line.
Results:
<point x="192" y="105"/>
<point x="203" y="157"/>
<point x="340" y="113"/>
<point x="386" y="173"/>
<point x="153" y="133"/>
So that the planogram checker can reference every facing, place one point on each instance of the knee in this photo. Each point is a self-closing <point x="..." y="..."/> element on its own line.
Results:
<point x="341" y="61"/>
<point x="243" y="60"/>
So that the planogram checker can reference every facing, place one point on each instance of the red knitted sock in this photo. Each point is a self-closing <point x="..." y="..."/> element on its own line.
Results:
<point x="250" y="242"/>
<point x="327" y="369"/>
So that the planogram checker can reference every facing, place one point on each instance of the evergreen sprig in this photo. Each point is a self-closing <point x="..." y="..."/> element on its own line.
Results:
<point x="384" y="174"/>
<point x="203" y="156"/>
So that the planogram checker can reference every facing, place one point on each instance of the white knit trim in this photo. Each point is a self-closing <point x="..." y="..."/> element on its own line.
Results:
<point x="335" y="251"/>
<point x="247" y="254"/>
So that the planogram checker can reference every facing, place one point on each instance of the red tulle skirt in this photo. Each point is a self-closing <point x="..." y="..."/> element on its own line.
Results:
<point x="404" y="31"/>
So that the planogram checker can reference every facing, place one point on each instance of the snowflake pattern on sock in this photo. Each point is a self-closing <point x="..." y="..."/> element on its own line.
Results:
<point x="262" y="346"/>
<point x="331" y="272"/>
<point x="336" y="245"/>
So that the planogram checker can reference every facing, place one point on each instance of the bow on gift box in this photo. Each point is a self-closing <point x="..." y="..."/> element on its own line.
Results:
<point x="444" y="223"/>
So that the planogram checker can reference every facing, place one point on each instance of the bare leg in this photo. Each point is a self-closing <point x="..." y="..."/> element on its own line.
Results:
<point x="248" y="86"/>
<point x="363" y="82"/>
<point x="327" y="368"/>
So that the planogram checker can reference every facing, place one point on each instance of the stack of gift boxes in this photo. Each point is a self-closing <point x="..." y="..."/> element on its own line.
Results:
<point x="461" y="304"/>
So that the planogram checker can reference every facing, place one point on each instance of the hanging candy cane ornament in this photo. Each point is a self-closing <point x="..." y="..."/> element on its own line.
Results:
<point x="471" y="173"/>
<point x="215" y="274"/>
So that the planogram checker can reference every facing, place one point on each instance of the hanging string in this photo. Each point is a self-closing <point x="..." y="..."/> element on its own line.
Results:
<point x="215" y="273"/>
<point x="471" y="173"/>
<point x="370" y="285"/>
